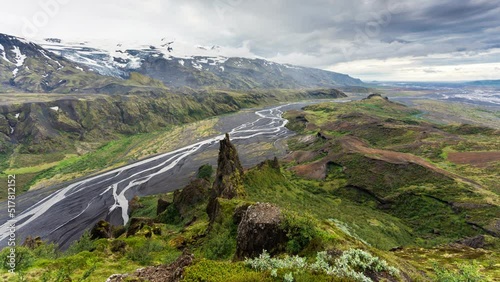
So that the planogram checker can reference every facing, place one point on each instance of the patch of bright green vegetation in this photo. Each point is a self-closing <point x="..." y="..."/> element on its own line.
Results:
<point x="110" y="155"/>
<point x="221" y="271"/>
<point x="313" y="197"/>
<point x="89" y="260"/>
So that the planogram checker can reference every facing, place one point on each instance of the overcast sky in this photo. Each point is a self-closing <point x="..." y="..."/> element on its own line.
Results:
<point x="370" y="39"/>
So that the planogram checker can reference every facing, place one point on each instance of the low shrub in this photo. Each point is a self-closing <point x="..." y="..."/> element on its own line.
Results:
<point x="221" y="245"/>
<point x="352" y="264"/>
<point x="47" y="251"/>
<point x="84" y="244"/>
<point x="22" y="259"/>
<point x="300" y="231"/>
<point x="465" y="273"/>
<point x="142" y="254"/>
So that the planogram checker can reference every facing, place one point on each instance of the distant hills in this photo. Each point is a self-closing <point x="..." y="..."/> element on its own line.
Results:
<point x="485" y="82"/>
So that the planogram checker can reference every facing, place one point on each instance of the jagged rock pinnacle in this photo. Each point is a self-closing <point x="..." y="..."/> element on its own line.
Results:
<point x="228" y="182"/>
<point x="228" y="179"/>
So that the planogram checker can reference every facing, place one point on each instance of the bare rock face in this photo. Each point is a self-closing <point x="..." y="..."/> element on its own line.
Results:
<point x="228" y="182"/>
<point x="260" y="230"/>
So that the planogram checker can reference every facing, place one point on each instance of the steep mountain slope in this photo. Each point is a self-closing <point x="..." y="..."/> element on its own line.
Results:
<point x="204" y="67"/>
<point x="25" y="66"/>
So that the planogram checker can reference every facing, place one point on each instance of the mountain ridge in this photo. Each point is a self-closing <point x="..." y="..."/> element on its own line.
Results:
<point x="53" y="67"/>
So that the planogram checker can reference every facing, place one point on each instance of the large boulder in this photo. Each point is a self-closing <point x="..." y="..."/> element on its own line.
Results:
<point x="194" y="193"/>
<point x="475" y="242"/>
<point x="137" y="223"/>
<point x="260" y="230"/>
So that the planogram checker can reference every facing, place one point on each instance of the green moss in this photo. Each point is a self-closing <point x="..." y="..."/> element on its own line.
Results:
<point x="146" y="207"/>
<point x="216" y="271"/>
<point x="205" y="171"/>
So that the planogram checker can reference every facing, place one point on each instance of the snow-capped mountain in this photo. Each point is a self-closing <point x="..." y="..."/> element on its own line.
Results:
<point x="53" y="65"/>
<point x="118" y="59"/>
<point x="177" y="65"/>
<point x="26" y="66"/>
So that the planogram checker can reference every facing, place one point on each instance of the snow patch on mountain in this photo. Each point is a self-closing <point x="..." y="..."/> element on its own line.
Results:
<point x="4" y="53"/>
<point x="196" y="65"/>
<point x="20" y="57"/>
<point x="112" y="59"/>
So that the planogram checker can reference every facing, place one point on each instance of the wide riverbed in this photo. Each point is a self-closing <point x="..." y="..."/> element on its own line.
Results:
<point x="62" y="213"/>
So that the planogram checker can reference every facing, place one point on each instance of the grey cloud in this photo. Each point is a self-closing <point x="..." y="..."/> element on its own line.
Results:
<point x="322" y="30"/>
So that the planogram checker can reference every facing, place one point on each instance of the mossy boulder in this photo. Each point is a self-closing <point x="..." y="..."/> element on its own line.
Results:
<point x="260" y="229"/>
<point x="194" y="193"/>
<point x="118" y="246"/>
<point x="101" y="229"/>
<point x="138" y="223"/>
<point x="32" y="243"/>
<point x="162" y="206"/>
